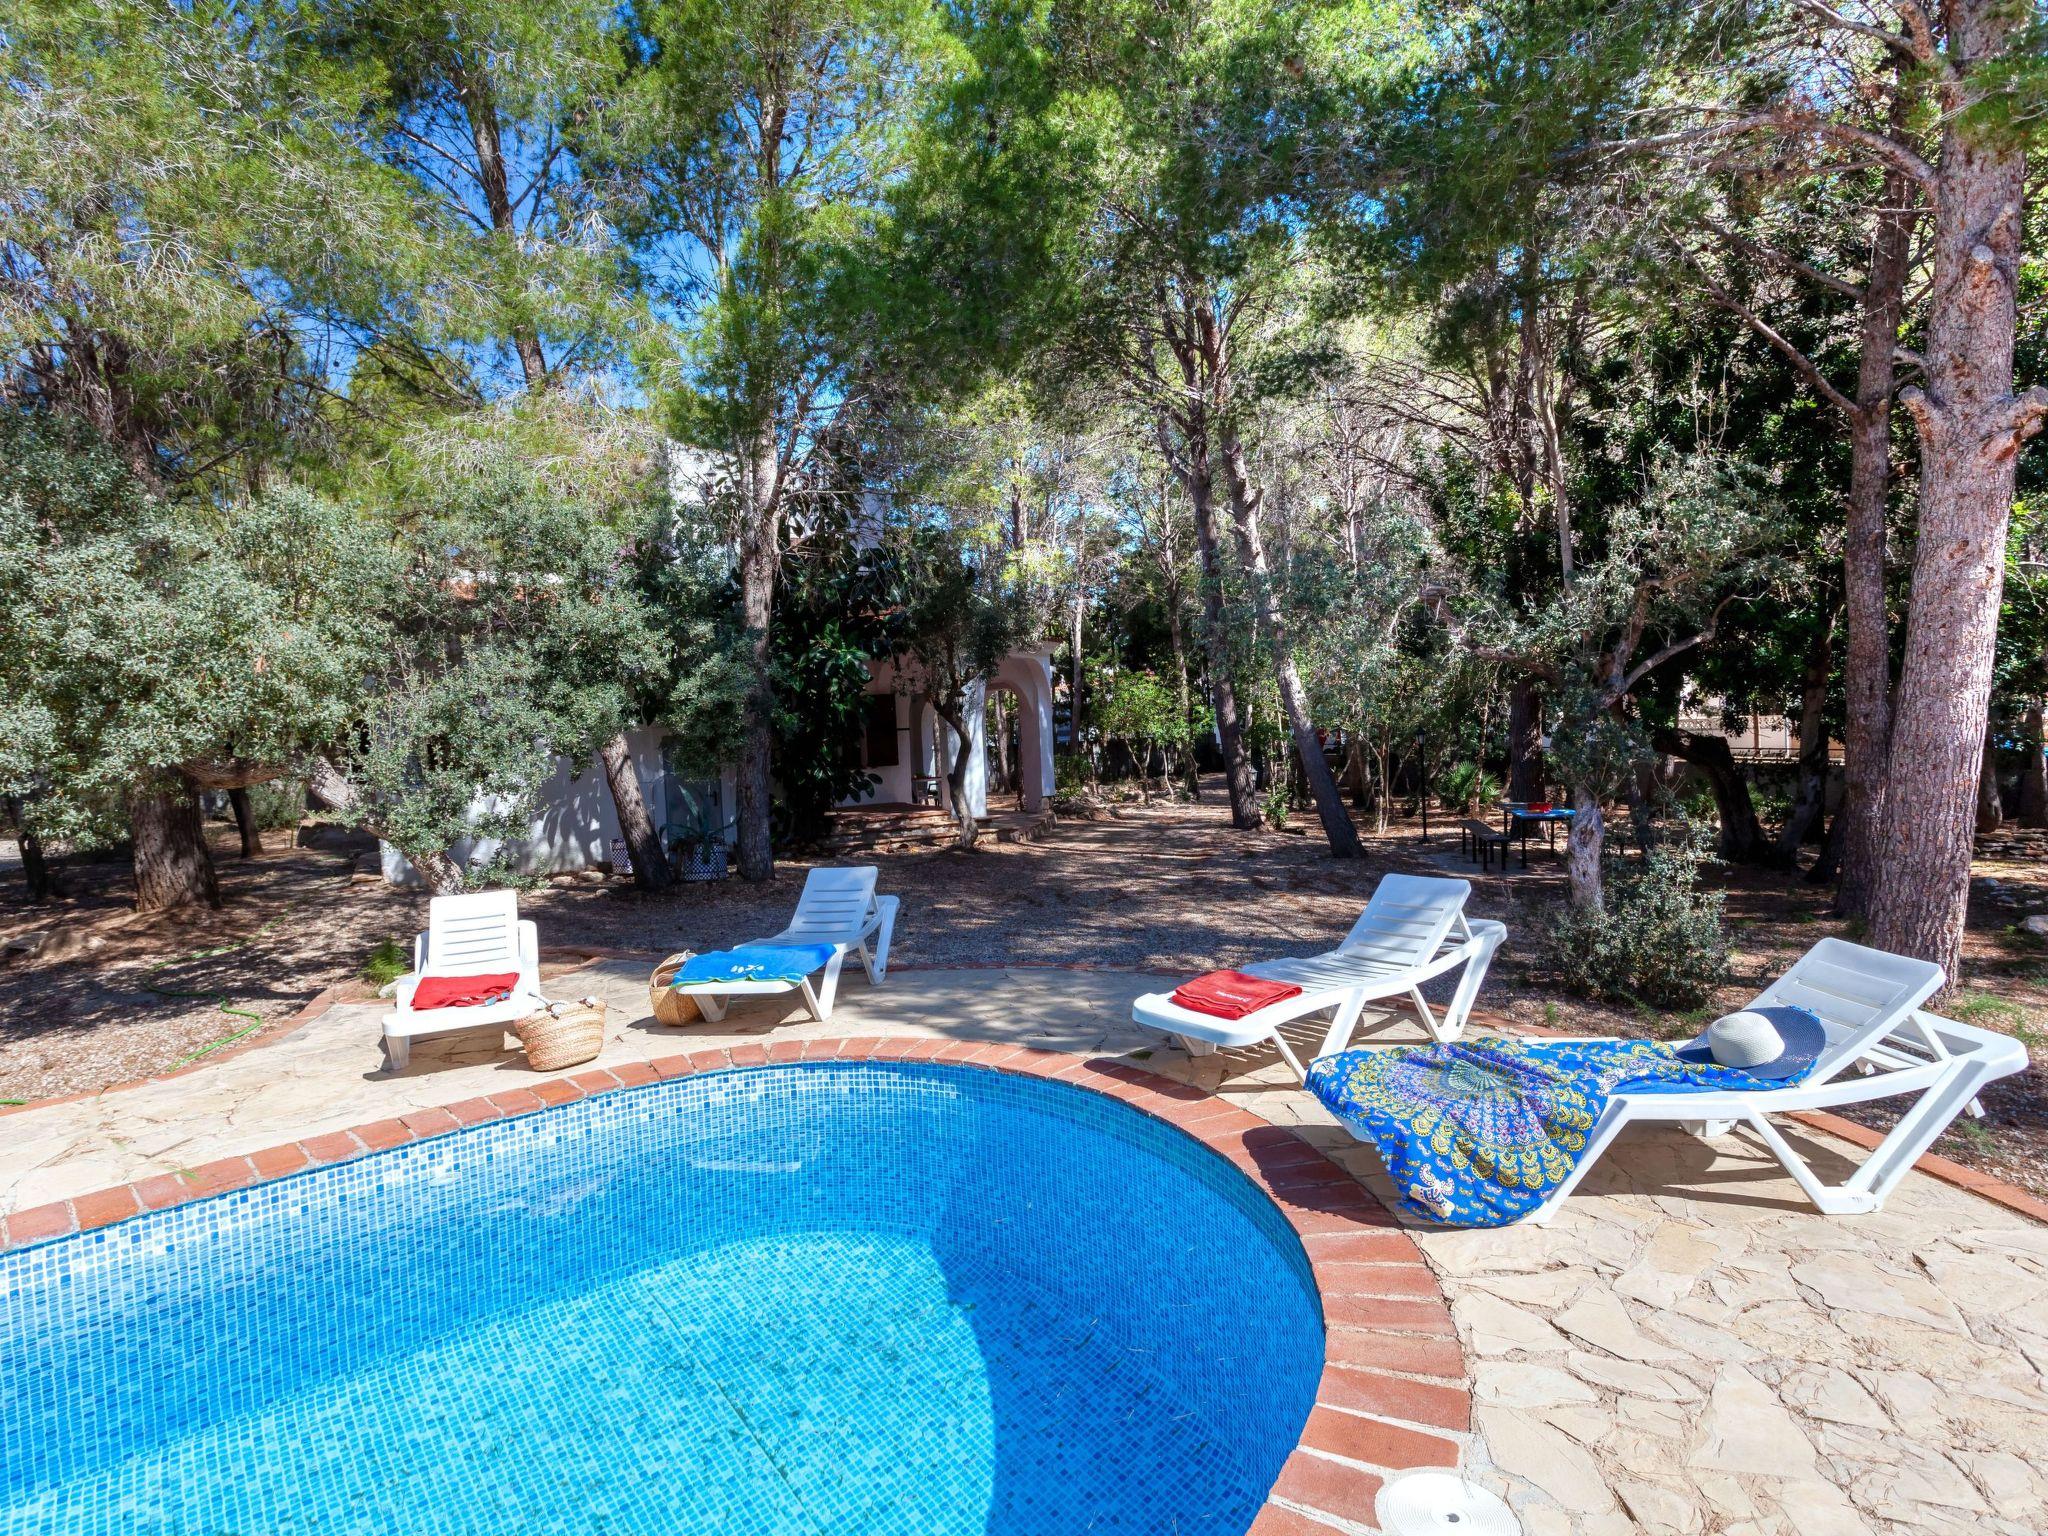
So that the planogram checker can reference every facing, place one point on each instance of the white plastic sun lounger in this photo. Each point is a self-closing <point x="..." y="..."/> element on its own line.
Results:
<point x="838" y="907"/>
<point x="1881" y="1043"/>
<point x="1414" y="928"/>
<point x="471" y="935"/>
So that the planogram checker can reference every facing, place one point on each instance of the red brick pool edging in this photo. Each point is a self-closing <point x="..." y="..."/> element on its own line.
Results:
<point x="1394" y="1393"/>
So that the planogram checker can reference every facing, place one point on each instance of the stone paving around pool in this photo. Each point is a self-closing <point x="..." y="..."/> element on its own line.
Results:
<point x="1689" y="1348"/>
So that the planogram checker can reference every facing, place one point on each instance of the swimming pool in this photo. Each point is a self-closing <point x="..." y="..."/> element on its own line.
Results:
<point x="884" y="1297"/>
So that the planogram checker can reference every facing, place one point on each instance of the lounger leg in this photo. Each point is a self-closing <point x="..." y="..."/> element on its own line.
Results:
<point x="867" y="962"/>
<point x="1487" y="936"/>
<point x="712" y="1007"/>
<point x="821" y="1000"/>
<point x="1287" y="1055"/>
<point x="1917" y="1130"/>
<point x="1612" y="1119"/>
<point x="397" y="1051"/>
<point x="1428" y="1019"/>
<point x="1707" y="1127"/>
<point x="1844" y="1200"/>
<point x="1195" y="1047"/>
<point x="888" y="906"/>
<point x="1342" y="1023"/>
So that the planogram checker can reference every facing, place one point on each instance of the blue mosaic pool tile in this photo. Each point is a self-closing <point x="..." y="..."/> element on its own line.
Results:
<point x="885" y="1298"/>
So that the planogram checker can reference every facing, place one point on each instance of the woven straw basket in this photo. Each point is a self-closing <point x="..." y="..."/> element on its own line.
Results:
<point x="567" y="1038"/>
<point x="669" y="1006"/>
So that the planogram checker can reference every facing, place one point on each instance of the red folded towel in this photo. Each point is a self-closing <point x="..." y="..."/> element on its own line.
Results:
<point x="462" y="991"/>
<point x="1232" y="994"/>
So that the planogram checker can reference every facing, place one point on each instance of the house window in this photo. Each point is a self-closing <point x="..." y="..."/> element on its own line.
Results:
<point x="880" y="722"/>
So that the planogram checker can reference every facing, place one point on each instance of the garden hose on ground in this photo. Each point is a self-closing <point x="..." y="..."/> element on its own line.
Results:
<point x="219" y="999"/>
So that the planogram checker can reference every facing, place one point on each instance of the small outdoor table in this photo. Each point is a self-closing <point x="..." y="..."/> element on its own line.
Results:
<point x="1516" y="817"/>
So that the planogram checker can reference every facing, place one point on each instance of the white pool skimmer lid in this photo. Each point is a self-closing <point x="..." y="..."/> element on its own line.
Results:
<point x="1442" y="1504"/>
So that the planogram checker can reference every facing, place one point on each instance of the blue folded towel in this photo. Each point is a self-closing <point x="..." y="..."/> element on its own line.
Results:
<point x="1481" y="1132"/>
<point x="753" y="962"/>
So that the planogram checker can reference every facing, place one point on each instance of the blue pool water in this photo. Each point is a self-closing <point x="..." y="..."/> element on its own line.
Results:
<point x="881" y="1298"/>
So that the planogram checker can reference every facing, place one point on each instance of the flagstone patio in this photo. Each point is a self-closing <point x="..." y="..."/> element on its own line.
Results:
<point x="1690" y="1348"/>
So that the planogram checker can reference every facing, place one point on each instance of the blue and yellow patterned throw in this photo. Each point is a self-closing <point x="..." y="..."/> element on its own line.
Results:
<point x="1480" y="1133"/>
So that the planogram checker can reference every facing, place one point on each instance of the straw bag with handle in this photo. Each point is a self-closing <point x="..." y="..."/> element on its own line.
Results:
<point x="669" y="1006"/>
<point x="562" y="1034"/>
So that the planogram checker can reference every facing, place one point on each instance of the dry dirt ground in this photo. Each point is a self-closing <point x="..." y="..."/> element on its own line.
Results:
<point x="112" y="997"/>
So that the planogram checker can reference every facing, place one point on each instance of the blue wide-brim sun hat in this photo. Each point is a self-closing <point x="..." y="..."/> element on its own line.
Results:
<point x="1804" y="1035"/>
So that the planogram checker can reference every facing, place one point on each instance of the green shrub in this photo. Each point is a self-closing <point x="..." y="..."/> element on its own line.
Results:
<point x="387" y="962"/>
<point x="277" y="804"/>
<point x="1070" y="775"/>
<point x="499" y="873"/>
<point x="1469" y="785"/>
<point x="1274" y="808"/>
<point x="1658" y="940"/>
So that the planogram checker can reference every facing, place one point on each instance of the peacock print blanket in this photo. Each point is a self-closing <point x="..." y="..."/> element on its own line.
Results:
<point x="1481" y="1132"/>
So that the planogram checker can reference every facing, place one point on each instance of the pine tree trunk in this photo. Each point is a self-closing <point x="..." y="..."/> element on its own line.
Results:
<point x="759" y="550"/>
<point x="2033" y="793"/>
<point x="245" y="823"/>
<point x="1526" y="771"/>
<point x="636" y="825"/>
<point x="1355" y="773"/>
<point x="1237" y="767"/>
<point x="479" y="103"/>
<point x="1187" y="703"/>
<point x="1337" y="824"/>
<point x="172" y="865"/>
<point x="1866" y="664"/>
<point x="34" y="870"/>
<point x="1809" y="799"/>
<point x="1000" y="718"/>
<point x="1077" y="702"/>
<point x="1990" y="809"/>
<point x="1970" y="427"/>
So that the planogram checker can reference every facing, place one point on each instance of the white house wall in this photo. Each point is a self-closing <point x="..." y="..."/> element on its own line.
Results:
<point x="575" y="821"/>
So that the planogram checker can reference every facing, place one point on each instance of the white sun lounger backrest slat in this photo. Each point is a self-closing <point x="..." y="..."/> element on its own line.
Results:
<point x="1859" y="994"/>
<point x="835" y="905"/>
<point x="1408" y="919"/>
<point x="473" y="935"/>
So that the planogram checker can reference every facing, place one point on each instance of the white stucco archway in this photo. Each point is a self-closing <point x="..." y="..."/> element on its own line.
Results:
<point x="926" y="744"/>
<point x="1028" y="674"/>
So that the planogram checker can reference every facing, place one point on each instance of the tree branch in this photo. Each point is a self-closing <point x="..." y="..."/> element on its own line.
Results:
<point x="1651" y="663"/>
<point x="1801" y="363"/>
<point x="1436" y="600"/>
<point x="1890" y="151"/>
<point x="1835" y="19"/>
<point x="1750" y="247"/>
